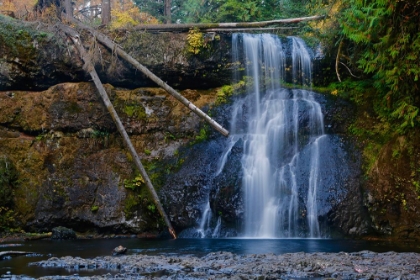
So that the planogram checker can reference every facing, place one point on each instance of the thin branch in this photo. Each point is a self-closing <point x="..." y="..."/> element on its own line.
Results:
<point x="348" y="69"/>
<point x="337" y="59"/>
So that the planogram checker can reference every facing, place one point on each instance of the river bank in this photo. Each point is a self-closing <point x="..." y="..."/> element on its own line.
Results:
<point x="226" y="265"/>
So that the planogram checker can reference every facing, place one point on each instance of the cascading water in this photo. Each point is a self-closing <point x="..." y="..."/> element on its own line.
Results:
<point x="282" y="138"/>
<point x="282" y="125"/>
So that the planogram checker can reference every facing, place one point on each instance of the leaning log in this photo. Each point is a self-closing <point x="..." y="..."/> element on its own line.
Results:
<point x="38" y="236"/>
<point x="115" y="48"/>
<point x="74" y="36"/>
<point x="6" y="254"/>
<point x="230" y="25"/>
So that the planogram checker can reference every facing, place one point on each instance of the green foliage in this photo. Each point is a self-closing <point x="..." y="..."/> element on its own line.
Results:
<point x="202" y="135"/>
<point x="94" y="208"/>
<point x="386" y="40"/>
<point x="7" y="219"/>
<point x="20" y="38"/>
<point x="151" y="208"/>
<point x="135" y="183"/>
<point x="223" y="93"/>
<point x="188" y="11"/>
<point x="227" y="91"/>
<point x="98" y="134"/>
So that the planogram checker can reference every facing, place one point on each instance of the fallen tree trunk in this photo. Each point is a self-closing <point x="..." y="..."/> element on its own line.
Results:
<point x="230" y="25"/>
<point x="13" y="253"/>
<point x="115" y="48"/>
<point x="74" y="36"/>
<point x="264" y="29"/>
<point x="38" y="236"/>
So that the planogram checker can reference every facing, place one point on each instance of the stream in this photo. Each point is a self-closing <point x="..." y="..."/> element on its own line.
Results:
<point x="90" y="248"/>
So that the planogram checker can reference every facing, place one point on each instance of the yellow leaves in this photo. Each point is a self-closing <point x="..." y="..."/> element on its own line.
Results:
<point x="18" y="8"/>
<point x="129" y="17"/>
<point x="195" y="41"/>
<point x="123" y="18"/>
<point x="334" y="92"/>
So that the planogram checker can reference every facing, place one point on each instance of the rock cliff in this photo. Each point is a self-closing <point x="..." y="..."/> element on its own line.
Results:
<point x="63" y="163"/>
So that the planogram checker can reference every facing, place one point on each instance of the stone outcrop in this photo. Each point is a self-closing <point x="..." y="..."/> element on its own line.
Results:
<point x="72" y="167"/>
<point x="35" y="57"/>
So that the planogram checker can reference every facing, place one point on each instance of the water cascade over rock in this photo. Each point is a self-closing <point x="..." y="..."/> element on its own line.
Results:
<point x="276" y="141"/>
<point x="278" y="175"/>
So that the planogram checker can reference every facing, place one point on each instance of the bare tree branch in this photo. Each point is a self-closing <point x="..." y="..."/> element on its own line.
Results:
<point x="74" y="36"/>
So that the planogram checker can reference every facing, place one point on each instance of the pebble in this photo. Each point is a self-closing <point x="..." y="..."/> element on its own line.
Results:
<point x="225" y="265"/>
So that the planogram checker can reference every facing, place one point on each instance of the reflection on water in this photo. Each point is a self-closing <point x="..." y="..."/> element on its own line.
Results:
<point x="199" y="247"/>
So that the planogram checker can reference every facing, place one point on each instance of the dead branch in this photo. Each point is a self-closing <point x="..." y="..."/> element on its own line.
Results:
<point x="230" y="25"/>
<point x="337" y="59"/>
<point x="248" y="29"/>
<point x="74" y="36"/>
<point x="114" y="47"/>
<point x="348" y="69"/>
<point x="13" y="253"/>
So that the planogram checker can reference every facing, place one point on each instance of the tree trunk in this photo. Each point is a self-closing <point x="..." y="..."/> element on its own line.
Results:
<point x="108" y="43"/>
<point x="230" y="25"/>
<point x="91" y="70"/>
<point x="68" y="7"/>
<point x="106" y="12"/>
<point x="167" y="11"/>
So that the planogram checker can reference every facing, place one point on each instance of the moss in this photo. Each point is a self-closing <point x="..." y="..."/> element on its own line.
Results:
<point x="130" y="205"/>
<point x="8" y="181"/>
<point x="135" y="111"/>
<point x="73" y="108"/>
<point x="21" y="39"/>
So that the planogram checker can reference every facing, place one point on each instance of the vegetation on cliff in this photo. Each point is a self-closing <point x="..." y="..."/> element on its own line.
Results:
<point x="376" y="46"/>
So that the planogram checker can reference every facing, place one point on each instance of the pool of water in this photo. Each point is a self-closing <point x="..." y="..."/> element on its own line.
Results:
<point x="45" y="249"/>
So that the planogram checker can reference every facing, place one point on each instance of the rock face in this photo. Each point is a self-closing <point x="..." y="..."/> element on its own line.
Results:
<point x="393" y="188"/>
<point x="200" y="181"/>
<point x="65" y="164"/>
<point x="35" y="57"/>
<point x="72" y="167"/>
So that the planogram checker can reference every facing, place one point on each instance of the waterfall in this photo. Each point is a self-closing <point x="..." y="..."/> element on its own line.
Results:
<point x="276" y="143"/>
<point x="282" y="137"/>
<point x="205" y="220"/>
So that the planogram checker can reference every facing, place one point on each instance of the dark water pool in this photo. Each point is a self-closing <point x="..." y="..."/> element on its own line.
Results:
<point x="45" y="249"/>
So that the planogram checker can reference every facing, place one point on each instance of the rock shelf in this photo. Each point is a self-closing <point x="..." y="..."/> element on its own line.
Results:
<point x="226" y="265"/>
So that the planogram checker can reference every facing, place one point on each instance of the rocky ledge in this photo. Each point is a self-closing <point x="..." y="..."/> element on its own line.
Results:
<point x="225" y="265"/>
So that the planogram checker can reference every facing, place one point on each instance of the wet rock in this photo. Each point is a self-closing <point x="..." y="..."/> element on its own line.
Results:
<point x="225" y="265"/>
<point x="120" y="250"/>
<point x="63" y="233"/>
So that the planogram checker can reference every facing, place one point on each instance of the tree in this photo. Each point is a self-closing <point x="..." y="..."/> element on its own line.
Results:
<point x="167" y="11"/>
<point x="68" y="7"/>
<point x="106" y="12"/>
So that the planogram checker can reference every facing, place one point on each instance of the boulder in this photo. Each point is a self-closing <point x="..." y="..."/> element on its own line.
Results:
<point x="63" y="233"/>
